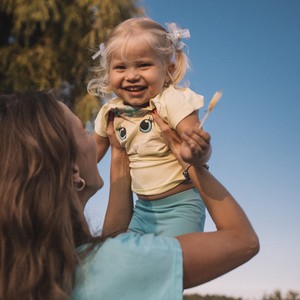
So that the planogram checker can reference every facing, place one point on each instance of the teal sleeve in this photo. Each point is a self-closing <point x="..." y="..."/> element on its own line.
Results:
<point x="132" y="267"/>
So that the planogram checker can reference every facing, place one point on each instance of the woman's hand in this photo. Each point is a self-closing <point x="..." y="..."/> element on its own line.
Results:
<point x="190" y="147"/>
<point x="111" y="132"/>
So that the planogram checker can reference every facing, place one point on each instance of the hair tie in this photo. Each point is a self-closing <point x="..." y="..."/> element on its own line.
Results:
<point x="99" y="52"/>
<point x="175" y="34"/>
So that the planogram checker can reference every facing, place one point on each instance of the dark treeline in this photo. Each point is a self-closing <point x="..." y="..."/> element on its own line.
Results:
<point x="276" y="295"/>
<point x="208" y="297"/>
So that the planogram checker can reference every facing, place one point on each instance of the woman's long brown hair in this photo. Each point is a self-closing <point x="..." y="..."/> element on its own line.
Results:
<point x="41" y="218"/>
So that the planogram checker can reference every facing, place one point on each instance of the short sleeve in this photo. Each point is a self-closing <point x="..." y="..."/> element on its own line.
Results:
<point x="101" y="120"/>
<point x="174" y="104"/>
<point x="132" y="267"/>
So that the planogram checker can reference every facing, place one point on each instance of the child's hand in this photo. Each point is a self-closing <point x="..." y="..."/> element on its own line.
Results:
<point x="192" y="147"/>
<point x="195" y="147"/>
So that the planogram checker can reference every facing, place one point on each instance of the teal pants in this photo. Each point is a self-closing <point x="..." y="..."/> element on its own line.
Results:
<point x="175" y="215"/>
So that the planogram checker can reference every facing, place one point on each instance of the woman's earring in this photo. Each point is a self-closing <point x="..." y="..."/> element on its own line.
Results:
<point x="80" y="186"/>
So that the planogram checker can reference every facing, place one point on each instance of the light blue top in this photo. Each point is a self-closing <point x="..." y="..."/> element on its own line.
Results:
<point x="132" y="267"/>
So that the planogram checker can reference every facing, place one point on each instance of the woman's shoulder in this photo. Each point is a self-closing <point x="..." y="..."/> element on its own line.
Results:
<point x="119" y="265"/>
<point x="141" y="241"/>
<point x="129" y="244"/>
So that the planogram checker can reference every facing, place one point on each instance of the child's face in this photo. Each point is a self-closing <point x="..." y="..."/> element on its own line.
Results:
<point x="139" y="76"/>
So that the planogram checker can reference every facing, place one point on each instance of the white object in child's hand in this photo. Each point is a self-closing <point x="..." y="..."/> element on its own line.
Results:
<point x="216" y="97"/>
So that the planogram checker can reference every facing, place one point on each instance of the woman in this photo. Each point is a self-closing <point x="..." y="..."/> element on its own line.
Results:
<point x="47" y="174"/>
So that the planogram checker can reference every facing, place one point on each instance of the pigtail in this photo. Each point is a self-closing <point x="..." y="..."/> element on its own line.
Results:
<point x="181" y="65"/>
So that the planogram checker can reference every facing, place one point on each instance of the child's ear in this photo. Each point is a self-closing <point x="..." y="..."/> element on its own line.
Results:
<point x="169" y="73"/>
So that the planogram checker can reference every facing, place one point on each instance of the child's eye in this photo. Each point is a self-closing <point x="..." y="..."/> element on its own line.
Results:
<point x="119" y="67"/>
<point x="145" y="65"/>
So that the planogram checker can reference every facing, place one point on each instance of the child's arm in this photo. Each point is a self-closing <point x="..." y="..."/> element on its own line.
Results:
<point x="102" y="145"/>
<point x="192" y="121"/>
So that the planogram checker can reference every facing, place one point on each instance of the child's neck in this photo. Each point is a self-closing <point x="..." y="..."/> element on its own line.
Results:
<point x="137" y="106"/>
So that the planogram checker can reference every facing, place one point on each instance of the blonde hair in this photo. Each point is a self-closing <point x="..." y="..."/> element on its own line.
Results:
<point x="41" y="217"/>
<point x="145" y="30"/>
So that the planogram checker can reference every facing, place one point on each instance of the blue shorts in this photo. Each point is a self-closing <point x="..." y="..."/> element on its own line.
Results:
<point x="178" y="214"/>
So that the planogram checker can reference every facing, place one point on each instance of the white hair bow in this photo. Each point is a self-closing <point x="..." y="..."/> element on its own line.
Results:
<point x="176" y="34"/>
<point x="99" y="52"/>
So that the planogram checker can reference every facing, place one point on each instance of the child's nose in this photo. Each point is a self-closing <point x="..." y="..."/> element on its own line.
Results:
<point x="132" y="74"/>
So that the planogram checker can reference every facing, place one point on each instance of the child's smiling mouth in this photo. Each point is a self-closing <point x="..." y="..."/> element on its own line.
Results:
<point x="136" y="88"/>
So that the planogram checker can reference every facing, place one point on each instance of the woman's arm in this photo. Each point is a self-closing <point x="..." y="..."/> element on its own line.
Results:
<point x="211" y="254"/>
<point x="120" y="205"/>
<point x="102" y="145"/>
<point x="207" y="255"/>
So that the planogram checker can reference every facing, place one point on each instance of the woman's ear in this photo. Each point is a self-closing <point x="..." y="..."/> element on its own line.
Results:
<point x="79" y="183"/>
<point x="75" y="173"/>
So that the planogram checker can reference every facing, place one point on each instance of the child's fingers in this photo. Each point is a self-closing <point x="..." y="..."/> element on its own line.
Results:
<point x="196" y="135"/>
<point x="197" y="141"/>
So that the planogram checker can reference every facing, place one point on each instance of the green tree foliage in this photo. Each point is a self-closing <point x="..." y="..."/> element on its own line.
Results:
<point x="48" y="44"/>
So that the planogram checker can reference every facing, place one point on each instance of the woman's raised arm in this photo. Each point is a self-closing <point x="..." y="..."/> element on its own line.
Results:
<point x="208" y="255"/>
<point x="120" y="205"/>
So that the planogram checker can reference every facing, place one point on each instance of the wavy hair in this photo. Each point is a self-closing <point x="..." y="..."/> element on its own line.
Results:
<point x="138" y="30"/>
<point x="41" y="218"/>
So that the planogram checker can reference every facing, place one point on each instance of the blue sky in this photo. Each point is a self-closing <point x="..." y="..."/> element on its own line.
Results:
<point x="251" y="50"/>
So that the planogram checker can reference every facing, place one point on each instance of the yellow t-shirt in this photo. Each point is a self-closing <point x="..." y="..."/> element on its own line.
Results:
<point x="154" y="169"/>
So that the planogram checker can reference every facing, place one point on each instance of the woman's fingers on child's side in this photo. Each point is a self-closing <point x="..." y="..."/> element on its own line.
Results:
<point x="110" y="130"/>
<point x="160" y="122"/>
<point x="170" y="136"/>
<point x="110" y="121"/>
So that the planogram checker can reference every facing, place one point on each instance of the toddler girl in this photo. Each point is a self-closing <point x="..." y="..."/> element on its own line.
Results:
<point x="142" y="63"/>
